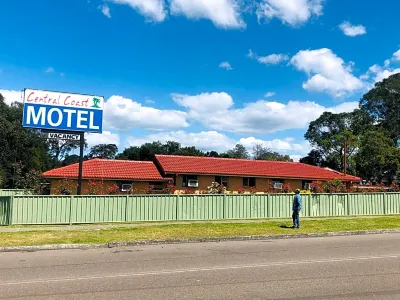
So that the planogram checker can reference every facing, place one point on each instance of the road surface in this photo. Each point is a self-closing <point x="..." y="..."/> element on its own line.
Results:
<point x="353" y="267"/>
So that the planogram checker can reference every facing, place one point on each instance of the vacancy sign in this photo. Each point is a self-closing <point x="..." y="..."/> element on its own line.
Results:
<point x="63" y="111"/>
<point x="62" y="136"/>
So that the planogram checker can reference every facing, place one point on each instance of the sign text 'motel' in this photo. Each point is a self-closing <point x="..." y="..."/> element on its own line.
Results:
<point x="63" y="111"/>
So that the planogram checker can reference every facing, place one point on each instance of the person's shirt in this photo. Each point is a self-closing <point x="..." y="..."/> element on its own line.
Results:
<point x="297" y="202"/>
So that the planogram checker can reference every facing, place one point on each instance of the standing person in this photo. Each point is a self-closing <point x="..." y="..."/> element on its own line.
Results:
<point x="296" y="209"/>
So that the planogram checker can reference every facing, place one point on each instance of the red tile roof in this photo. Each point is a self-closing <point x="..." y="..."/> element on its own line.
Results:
<point x="171" y="164"/>
<point x="109" y="169"/>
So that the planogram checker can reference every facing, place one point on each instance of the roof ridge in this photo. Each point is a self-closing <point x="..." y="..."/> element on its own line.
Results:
<point x="226" y="158"/>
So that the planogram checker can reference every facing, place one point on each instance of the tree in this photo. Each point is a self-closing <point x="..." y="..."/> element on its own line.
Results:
<point x="149" y="150"/>
<point x="189" y="151"/>
<point x="329" y="132"/>
<point x="314" y="158"/>
<point x="19" y="144"/>
<point x="60" y="149"/>
<point x="212" y="154"/>
<point x="131" y="153"/>
<point x="382" y="103"/>
<point x="107" y="151"/>
<point x="263" y="153"/>
<point x="70" y="159"/>
<point x="378" y="157"/>
<point x="239" y="151"/>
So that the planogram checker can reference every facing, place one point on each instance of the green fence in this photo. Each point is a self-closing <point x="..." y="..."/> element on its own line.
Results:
<point x="27" y="209"/>
<point x="11" y="192"/>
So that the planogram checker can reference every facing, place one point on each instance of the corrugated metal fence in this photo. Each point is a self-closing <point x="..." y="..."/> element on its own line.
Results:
<point x="25" y="209"/>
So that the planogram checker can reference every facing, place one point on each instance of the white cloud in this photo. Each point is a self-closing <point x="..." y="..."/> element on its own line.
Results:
<point x="215" y="111"/>
<point x="49" y="70"/>
<point x="380" y="73"/>
<point x="106" y="137"/>
<point x="396" y="56"/>
<point x="205" y="140"/>
<point x="215" y="141"/>
<point x="269" y="94"/>
<point x="223" y="13"/>
<point x="352" y="30"/>
<point x="11" y="96"/>
<point x="153" y="10"/>
<point x="291" y="12"/>
<point x="125" y="114"/>
<point x="105" y="10"/>
<point x="225" y="65"/>
<point x="328" y="72"/>
<point x="272" y="59"/>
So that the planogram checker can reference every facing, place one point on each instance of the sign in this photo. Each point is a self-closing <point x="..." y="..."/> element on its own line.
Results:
<point x="62" y="136"/>
<point x="63" y="111"/>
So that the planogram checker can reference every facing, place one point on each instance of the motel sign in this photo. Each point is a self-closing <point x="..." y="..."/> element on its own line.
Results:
<point x="63" y="111"/>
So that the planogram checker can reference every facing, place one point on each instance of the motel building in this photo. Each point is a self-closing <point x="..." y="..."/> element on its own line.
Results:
<point x="194" y="174"/>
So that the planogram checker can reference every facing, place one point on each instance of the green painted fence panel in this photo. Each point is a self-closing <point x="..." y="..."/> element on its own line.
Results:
<point x="366" y="204"/>
<point x="259" y="206"/>
<point x="98" y="209"/>
<point x="392" y="204"/>
<point x="324" y="205"/>
<point x="200" y="207"/>
<point x="4" y="210"/>
<point x="40" y="209"/>
<point x="238" y="206"/>
<point x="11" y="192"/>
<point x="280" y="206"/>
<point x="151" y="208"/>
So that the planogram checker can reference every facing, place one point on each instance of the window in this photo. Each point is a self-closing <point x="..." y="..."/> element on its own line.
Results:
<point x="222" y="180"/>
<point x="277" y="183"/>
<point x="190" y="181"/>
<point x="125" y="186"/>
<point x="306" y="184"/>
<point x="249" y="182"/>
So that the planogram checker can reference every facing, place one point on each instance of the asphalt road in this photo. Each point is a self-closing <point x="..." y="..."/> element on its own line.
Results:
<point x="353" y="267"/>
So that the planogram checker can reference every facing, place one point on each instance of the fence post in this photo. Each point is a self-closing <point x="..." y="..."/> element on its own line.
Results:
<point x="126" y="208"/>
<point x="70" y="209"/>
<point x="223" y="207"/>
<point x="384" y="204"/>
<point x="177" y="207"/>
<point x="11" y="210"/>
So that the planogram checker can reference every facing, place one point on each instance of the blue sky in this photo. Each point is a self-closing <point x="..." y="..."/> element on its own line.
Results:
<point x="201" y="72"/>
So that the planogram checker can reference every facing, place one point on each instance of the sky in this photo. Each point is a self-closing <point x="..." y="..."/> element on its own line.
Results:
<point x="205" y="73"/>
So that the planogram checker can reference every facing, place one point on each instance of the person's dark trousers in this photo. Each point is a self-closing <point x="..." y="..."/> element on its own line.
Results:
<point x="296" y="219"/>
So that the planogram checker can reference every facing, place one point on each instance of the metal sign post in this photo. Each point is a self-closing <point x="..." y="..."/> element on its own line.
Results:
<point x="80" y="171"/>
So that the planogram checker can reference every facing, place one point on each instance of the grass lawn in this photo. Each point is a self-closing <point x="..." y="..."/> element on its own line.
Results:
<point x="200" y="230"/>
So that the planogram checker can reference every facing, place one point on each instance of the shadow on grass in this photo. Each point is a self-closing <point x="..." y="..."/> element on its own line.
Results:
<point x="285" y="226"/>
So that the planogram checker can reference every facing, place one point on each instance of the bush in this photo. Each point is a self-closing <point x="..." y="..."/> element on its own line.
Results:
<point x="94" y="188"/>
<point x="66" y="187"/>
<point x="216" y="188"/>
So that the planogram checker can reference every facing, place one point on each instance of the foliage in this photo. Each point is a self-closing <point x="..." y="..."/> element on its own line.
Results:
<point x="378" y="157"/>
<point x="382" y="103"/>
<point x="188" y="192"/>
<point x="239" y="151"/>
<point x="314" y="158"/>
<point x="263" y="153"/>
<point x="66" y="187"/>
<point x="94" y="188"/>
<point x="170" y="188"/>
<point x="216" y="188"/>
<point x="70" y="159"/>
<point x="60" y="149"/>
<point x="330" y="186"/>
<point x="19" y="144"/>
<point x="106" y="151"/>
<point x="113" y="190"/>
<point x="329" y="132"/>
<point x="149" y="189"/>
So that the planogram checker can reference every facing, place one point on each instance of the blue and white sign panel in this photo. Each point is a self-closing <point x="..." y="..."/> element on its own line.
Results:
<point x="63" y="111"/>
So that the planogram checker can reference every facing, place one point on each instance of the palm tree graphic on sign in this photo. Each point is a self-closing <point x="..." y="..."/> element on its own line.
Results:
<point x="96" y="102"/>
